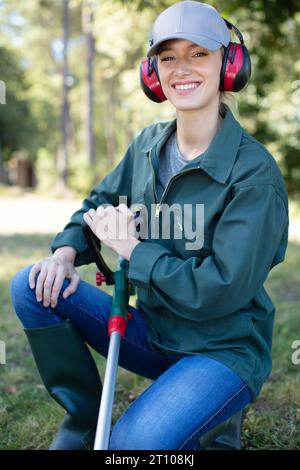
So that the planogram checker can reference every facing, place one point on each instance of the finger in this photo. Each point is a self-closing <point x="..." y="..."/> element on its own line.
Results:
<point x="34" y="270"/>
<point x="92" y="213"/>
<point x="48" y="285"/>
<point x="75" y="279"/>
<point x="124" y="210"/>
<point x="122" y="207"/>
<point x="88" y="219"/>
<point x="91" y="223"/>
<point x="109" y="209"/>
<point x="87" y="216"/>
<point x="100" y="211"/>
<point x="60" y="277"/>
<point x="40" y="283"/>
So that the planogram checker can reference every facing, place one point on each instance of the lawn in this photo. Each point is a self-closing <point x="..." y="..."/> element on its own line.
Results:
<point x="29" y="417"/>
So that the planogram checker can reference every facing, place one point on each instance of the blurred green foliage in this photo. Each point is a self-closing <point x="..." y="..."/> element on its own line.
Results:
<point x="31" y="66"/>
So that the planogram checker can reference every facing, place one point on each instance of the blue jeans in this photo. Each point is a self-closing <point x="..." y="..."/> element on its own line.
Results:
<point x="190" y="394"/>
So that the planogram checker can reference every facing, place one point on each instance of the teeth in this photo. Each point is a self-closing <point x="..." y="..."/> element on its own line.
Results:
<point x="186" y="87"/>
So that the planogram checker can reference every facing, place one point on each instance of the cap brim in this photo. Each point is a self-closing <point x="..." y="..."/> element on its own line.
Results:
<point x="203" y="41"/>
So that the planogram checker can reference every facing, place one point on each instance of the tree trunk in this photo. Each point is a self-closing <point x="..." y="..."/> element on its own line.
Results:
<point x="110" y="121"/>
<point x="62" y="155"/>
<point x="87" y="27"/>
<point x="3" y="173"/>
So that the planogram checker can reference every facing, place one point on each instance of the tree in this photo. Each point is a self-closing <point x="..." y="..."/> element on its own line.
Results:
<point x="107" y="40"/>
<point x="17" y="124"/>
<point x="62" y="156"/>
<point x="87" y="28"/>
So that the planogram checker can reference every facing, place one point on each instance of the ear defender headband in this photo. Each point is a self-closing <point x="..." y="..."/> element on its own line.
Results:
<point x="235" y="70"/>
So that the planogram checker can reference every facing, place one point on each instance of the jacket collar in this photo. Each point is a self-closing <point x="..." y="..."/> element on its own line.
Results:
<point x="218" y="160"/>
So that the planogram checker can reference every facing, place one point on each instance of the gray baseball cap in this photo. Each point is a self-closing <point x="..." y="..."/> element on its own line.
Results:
<point x="197" y="22"/>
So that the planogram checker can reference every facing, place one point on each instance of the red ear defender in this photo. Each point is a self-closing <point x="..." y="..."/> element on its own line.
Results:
<point x="149" y="80"/>
<point x="235" y="70"/>
<point x="236" y="65"/>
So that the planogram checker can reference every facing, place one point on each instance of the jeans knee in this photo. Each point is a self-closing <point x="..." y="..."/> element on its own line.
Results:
<point x="119" y="437"/>
<point x="30" y="311"/>
<point x="19" y="285"/>
<point x="128" y="435"/>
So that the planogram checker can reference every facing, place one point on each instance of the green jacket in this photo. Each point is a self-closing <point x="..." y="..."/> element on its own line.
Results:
<point x="210" y="300"/>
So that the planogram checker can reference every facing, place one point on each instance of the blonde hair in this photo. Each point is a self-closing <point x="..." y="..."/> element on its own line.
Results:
<point x="229" y="99"/>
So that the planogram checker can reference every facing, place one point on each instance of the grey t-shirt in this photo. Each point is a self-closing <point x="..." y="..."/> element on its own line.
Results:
<point x="170" y="162"/>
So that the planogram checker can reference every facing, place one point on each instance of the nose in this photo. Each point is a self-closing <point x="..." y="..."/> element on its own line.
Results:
<point x="182" y="67"/>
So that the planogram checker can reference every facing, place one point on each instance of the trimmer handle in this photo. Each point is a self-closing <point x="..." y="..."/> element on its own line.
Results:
<point x="94" y="245"/>
<point x="119" y="315"/>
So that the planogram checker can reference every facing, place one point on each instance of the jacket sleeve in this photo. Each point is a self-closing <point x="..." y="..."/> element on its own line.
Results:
<point x="245" y="244"/>
<point x="116" y="183"/>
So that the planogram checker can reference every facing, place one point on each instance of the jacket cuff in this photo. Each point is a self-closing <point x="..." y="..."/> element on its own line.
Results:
<point x="76" y="239"/>
<point x="142" y="261"/>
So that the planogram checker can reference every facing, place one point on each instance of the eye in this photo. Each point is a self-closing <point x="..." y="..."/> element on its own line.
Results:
<point x="198" y="54"/>
<point x="202" y="53"/>
<point x="166" y="58"/>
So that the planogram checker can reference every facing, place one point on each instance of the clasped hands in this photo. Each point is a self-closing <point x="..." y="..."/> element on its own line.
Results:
<point x="115" y="227"/>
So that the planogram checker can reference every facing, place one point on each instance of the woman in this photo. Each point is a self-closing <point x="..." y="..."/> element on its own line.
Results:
<point x="202" y="329"/>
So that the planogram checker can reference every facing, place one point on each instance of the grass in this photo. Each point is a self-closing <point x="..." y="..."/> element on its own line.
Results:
<point x="29" y="417"/>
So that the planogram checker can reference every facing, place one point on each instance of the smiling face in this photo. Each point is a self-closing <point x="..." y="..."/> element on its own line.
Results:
<point x="189" y="74"/>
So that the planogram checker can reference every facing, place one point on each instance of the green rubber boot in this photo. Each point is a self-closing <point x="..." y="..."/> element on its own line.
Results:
<point x="70" y="375"/>
<point x="225" y="436"/>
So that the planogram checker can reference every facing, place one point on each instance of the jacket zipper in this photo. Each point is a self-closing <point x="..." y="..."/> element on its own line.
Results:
<point x="153" y="178"/>
<point x="173" y="178"/>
